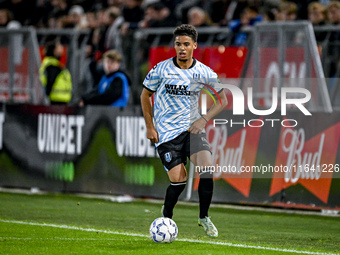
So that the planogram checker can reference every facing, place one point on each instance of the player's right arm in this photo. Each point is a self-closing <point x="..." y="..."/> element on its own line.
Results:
<point x="151" y="132"/>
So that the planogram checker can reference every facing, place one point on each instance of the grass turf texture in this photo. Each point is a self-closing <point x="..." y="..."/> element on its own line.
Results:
<point x="105" y="220"/>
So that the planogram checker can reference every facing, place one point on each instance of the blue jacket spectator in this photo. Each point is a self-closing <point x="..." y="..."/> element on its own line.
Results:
<point x="249" y="17"/>
<point x="113" y="89"/>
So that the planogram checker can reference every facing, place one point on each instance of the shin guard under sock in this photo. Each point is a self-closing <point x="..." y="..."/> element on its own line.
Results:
<point x="205" y="192"/>
<point x="172" y="193"/>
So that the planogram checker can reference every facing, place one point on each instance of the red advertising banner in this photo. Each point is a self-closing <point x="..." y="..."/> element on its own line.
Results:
<point x="227" y="62"/>
<point x="311" y="163"/>
<point x="21" y="80"/>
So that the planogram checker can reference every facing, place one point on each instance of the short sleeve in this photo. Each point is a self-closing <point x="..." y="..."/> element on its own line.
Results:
<point x="152" y="79"/>
<point x="213" y="80"/>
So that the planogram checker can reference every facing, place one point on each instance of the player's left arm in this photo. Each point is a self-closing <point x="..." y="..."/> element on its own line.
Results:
<point x="198" y="125"/>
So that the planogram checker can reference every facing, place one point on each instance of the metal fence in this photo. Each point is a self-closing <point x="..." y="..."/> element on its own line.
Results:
<point x="20" y="53"/>
<point x="330" y="57"/>
<point x="18" y="74"/>
<point x="136" y="48"/>
<point x="283" y="43"/>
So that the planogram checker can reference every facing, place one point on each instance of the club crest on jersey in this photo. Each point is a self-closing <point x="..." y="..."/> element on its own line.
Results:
<point x="148" y="77"/>
<point x="204" y="139"/>
<point x="196" y="76"/>
<point x="167" y="156"/>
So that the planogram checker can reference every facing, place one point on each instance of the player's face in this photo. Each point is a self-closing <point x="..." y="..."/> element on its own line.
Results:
<point x="184" y="47"/>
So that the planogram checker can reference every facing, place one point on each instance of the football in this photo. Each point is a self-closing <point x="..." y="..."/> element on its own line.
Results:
<point x="163" y="230"/>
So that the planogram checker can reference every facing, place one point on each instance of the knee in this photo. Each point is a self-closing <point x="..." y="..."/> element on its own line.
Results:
<point x="178" y="174"/>
<point x="178" y="179"/>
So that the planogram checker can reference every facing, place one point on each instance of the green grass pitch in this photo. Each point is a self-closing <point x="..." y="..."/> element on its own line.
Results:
<point x="68" y="224"/>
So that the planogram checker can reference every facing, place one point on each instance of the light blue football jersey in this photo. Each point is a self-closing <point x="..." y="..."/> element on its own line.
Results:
<point x="177" y="93"/>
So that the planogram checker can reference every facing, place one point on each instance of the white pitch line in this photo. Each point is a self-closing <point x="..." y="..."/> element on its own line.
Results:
<point x="73" y="228"/>
<point x="59" y="238"/>
<point x="180" y="239"/>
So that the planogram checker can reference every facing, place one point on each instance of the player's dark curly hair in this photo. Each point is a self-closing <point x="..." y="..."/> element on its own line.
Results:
<point x="188" y="30"/>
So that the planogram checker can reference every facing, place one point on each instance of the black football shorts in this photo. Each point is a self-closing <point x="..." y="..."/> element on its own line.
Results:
<point x="176" y="151"/>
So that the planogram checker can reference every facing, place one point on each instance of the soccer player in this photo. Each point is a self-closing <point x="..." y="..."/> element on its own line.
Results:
<point x="178" y="130"/>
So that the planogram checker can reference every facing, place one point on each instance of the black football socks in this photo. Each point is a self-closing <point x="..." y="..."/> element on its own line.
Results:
<point x="205" y="192"/>
<point x="172" y="194"/>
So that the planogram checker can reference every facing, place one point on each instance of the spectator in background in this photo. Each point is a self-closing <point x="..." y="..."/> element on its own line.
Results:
<point x="303" y="7"/>
<point x="113" y="88"/>
<point x="60" y="8"/>
<point x="40" y="17"/>
<point x="184" y="6"/>
<point x="96" y="45"/>
<point x="93" y="25"/>
<point x="158" y="15"/>
<point x="87" y="5"/>
<point x="55" y="78"/>
<point x="234" y="11"/>
<point x="108" y="39"/>
<point x="91" y="20"/>
<point x="317" y="14"/>
<point x="91" y="50"/>
<point x="133" y="13"/>
<point x="5" y="17"/>
<point x="113" y="38"/>
<point x="333" y="12"/>
<point x="198" y="17"/>
<point x="103" y="25"/>
<point x="96" y="5"/>
<point x="268" y="16"/>
<point x="56" y="17"/>
<point x="77" y="18"/>
<point x="22" y="10"/>
<point x="287" y="11"/>
<point x="172" y="4"/>
<point x="218" y="10"/>
<point x="102" y="18"/>
<point x="115" y="3"/>
<point x="291" y="11"/>
<point x="249" y="17"/>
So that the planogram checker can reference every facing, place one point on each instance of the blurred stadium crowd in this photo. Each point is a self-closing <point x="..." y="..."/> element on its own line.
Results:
<point x="160" y="13"/>
<point x="132" y="14"/>
<point x="110" y="21"/>
<point x="108" y="18"/>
